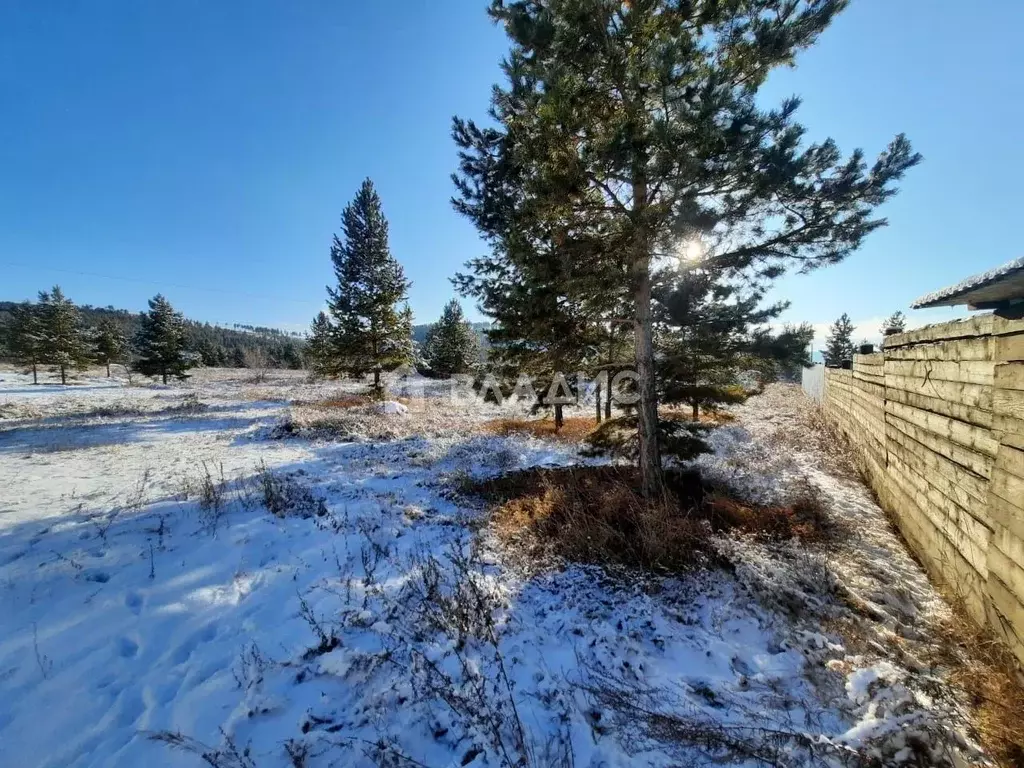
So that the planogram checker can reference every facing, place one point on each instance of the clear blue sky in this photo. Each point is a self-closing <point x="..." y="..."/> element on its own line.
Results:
<point x="206" y="149"/>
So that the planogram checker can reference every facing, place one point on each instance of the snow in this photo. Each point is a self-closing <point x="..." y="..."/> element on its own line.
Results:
<point x="393" y="408"/>
<point x="970" y="283"/>
<point x="389" y="622"/>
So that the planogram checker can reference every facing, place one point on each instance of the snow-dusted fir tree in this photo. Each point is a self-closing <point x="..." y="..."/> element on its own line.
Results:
<point x="839" y="342"/>
<point x="161" y="342"/>
<point x="65" y="346"/>
<point x="371" y="334"/>
<point x="109" y="343"/>
<point x="451" y="345"/>
<point x="319" y="351"/>
<point x="25" y="339"/>
<point x="894" y="323"/>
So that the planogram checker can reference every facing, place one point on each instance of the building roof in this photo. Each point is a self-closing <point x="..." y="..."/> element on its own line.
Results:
<point x="989" y="290"/>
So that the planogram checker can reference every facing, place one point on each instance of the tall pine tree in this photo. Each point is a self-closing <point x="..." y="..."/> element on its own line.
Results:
<point x="161" y="342"/>
<point x="65" y="346"/>
<point x="451" y="345"/>
<point x="638" y="123"/>
<point x="110" y="344"/>
<point x="25" y="338"/>
<point x="839" y="342"/>
<point x="371" y="334"/>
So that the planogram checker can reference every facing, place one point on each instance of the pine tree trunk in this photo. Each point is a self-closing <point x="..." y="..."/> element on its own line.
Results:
<point x="108" y="369"/>
<point x="608" y="380"/>
<point x="643" y="332"/>
<point x="647" y="407"/>
<point x="559" y="418"/>
<point x="63" y="377"/>
<point x="696" y="410"/>
<point x="376" y="380"/>
<point x="597" y="401"/>
<point x="608" y="396"/>
<point x="35" y="374"/>
<point x="165" y="376"/>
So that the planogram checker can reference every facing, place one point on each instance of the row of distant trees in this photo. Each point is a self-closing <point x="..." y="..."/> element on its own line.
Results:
<point x="839" y="346"/>
<point x="55" y="333"/>
<point x="50" y="333"/>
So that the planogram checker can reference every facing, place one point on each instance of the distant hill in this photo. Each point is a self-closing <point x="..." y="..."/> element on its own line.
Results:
<point x="219" y="347"/>
<point x="228" y="347"/>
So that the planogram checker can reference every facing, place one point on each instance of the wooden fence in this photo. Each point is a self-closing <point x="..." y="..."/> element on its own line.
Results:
<point x="937" y="421"/>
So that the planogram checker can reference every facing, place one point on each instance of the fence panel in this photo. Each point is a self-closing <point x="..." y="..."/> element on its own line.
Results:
<point x="813" y="381"/>
<point x="937" y="423"/>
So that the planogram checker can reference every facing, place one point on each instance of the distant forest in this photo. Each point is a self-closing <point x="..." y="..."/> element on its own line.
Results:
<point x="218" y="347"/>
<point x="419" y="333"/>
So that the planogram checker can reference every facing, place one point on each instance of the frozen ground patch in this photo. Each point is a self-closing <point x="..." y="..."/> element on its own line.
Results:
<point x="315" y="602"/>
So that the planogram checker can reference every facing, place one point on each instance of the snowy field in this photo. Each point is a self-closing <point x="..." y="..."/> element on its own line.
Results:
<point x="156" y="612"/>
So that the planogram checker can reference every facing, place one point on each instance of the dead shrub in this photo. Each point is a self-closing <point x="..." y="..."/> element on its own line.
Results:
<point x="190" y="403"/>
<point x="282" y="495"/>
<point x="574" y="429"/>
<point x="366" y="422"/>
<point x="599" y="515"/>
<point x="342" y="401"/>
<point x="212" y="496"/>
<point x="672" y="718"/>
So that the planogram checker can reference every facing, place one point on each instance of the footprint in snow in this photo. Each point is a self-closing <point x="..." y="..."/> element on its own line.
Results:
<point x="133" y="602"/>
<point x="204" y="635"/>
<point x="127" y="647"/>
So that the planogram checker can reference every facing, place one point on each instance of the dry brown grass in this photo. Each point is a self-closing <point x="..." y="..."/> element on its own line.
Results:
<point x="988" y="672"/>
<point x="598" y="515"/>
<point x="574" y="429"/>
<point x="346" y="401"/>
<point x="706" y="416"/>
<point x="346" y="418"/>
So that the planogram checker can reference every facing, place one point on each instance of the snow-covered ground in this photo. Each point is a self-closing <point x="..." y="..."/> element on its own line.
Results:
<point x="155" y="612"/>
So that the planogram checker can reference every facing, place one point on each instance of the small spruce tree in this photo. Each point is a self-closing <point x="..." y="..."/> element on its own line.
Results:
<point x="371" y="334"/>
<point x="110" y="344"/>
<point x="25" y="340"/>
<point x="65" y="346"/>
<point x="707" y="335"/>
<point x="895" y="323"/>
<point x="451" y="345"/>
<point x="839" y="342"/>
<point x="319" y="350"/>
<point x="161" y="342"/>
